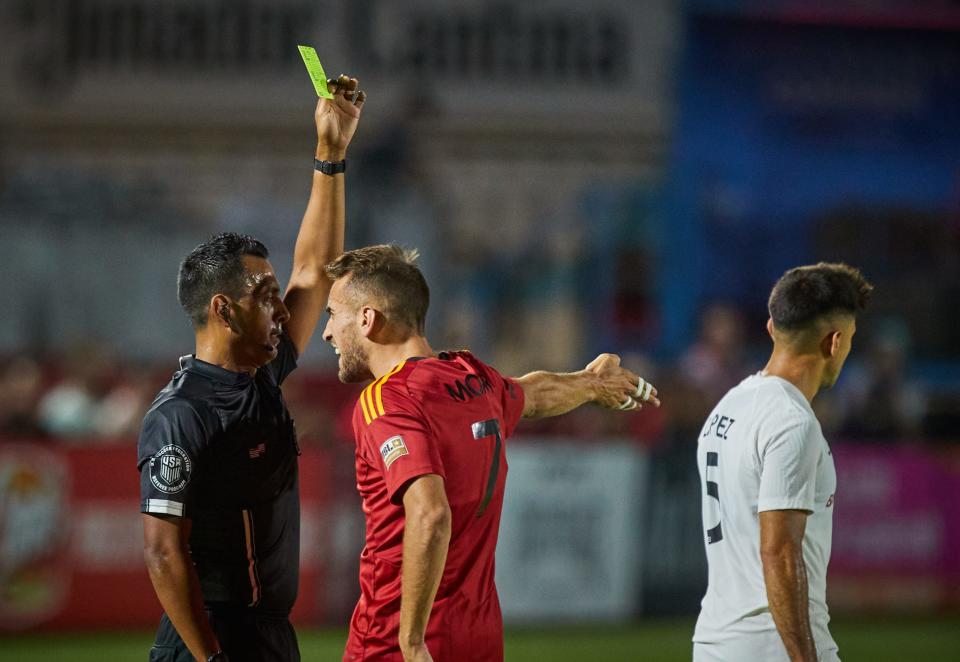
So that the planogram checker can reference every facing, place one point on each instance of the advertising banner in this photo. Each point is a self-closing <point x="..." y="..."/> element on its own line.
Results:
<point x="896" y="532"/>
<point x="569" y="547"/>
<point x="225" y="62"/>
<point x="71" y="541"/>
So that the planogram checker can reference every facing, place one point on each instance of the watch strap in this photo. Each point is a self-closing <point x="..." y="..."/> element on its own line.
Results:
<point x="330" y="167"/>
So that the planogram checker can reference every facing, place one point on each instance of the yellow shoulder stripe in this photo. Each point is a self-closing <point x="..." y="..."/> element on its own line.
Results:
<point x="379" y="387"/>
<point x="373" y="409"/>
<point x="363" y="406"/>
<point x="367" y="399"/>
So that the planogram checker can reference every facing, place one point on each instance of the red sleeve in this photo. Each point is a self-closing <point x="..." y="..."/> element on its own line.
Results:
<point x="513" y="402"/>
<point x="400" y="440"/>
<point x="511" y="399"/>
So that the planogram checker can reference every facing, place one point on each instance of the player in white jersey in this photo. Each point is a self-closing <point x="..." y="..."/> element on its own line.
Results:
<point x="769" y="481"/>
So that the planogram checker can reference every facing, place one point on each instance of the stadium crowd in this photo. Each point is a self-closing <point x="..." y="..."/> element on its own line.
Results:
<point x="84" y="397"/>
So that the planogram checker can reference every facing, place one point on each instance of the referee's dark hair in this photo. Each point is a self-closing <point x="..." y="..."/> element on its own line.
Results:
<point x="390" y="274"/>
<point x="804" y="295"/>
<point x="215" y="267"/>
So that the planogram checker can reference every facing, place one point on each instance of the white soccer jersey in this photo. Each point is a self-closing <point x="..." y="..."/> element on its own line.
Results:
<point x="761" y="449"/>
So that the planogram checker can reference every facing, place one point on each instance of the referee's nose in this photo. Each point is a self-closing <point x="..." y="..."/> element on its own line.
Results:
<point x="281" y="313"/>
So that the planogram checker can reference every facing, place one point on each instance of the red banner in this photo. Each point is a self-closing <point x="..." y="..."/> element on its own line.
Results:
<point x="895" y="530"/>
<point x="71" y="542"/>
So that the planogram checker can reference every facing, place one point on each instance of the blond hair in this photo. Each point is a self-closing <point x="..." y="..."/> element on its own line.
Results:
<point x="389" y="274"/>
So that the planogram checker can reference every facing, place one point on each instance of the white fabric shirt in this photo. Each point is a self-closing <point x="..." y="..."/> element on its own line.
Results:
<point x="761" y="449"/>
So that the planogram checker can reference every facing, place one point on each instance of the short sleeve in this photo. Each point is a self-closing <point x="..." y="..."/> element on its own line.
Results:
<point x="286" y="360"/>
<point x="401" y="444"/>
<point x="171" y="442"/>
<point x="511" y="400"/>
<point x="788" y="468"/>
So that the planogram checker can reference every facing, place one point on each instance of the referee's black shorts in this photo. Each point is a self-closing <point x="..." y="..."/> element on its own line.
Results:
<point x="244" y="637"/>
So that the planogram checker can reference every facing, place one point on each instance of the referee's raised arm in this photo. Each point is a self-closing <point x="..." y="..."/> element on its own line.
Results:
<point x="320" y="240"/>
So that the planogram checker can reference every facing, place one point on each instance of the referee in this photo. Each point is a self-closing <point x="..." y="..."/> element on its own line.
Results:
<point x="218" y="451"/>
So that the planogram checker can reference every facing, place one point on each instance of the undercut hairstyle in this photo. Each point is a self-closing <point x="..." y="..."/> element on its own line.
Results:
<point x="215" y="267"/>
<point x="805" y="295"/>
<point x="390" y="275"/>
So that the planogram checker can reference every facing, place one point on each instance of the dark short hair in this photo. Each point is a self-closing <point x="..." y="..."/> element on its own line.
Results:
<point x="390" y="274"/>
<point x="806" y="294"/>
<point x="215" y="267"/>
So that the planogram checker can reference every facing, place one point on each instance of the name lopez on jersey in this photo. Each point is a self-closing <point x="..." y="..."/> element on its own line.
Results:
<point x="718" y="425"/>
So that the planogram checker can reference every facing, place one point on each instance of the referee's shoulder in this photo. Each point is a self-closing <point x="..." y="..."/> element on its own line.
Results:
<point x="184" y="386"/>
<point x="184" y="397"/>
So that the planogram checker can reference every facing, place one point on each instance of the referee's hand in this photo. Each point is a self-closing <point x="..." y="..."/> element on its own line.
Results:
<point x="337" y="118"/>
<point x="620" y="388"/>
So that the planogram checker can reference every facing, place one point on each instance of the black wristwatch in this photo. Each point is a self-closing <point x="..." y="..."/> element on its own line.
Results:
<point x="330" y="167"/>
<point x="219" y="656"/>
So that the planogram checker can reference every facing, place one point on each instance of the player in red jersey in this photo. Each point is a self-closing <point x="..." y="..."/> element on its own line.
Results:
<point x="431" y="462"/>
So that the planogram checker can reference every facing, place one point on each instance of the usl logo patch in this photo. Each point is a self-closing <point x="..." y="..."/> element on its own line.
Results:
<point x="391" y="449"/>
<point x="170" y="469"/>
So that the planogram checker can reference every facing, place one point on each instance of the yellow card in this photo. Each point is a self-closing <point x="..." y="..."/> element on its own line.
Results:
<point x="315" y="69"/>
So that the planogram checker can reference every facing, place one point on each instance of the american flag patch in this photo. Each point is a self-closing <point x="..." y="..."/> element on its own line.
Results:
<point x="257" y="451"/>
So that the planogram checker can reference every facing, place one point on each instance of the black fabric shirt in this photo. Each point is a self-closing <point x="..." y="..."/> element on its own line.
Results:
<point x="220" y="448"/>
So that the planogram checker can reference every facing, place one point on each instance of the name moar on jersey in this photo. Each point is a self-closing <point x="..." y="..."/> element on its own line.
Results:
<point x="471" y="387"/>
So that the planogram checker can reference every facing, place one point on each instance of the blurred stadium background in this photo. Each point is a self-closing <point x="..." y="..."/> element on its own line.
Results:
<point x="580" y="177"/>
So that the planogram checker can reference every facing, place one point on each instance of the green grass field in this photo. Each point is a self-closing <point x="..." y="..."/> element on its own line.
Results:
<point x="882" y="640"/>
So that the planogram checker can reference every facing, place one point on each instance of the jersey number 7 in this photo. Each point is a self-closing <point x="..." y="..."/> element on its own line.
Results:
<point x="482" y="430"/>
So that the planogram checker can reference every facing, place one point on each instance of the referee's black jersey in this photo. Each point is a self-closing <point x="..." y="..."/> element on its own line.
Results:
<point x="219" y="447"/>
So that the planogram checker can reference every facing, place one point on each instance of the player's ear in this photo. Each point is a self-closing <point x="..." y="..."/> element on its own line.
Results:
<point x="770" y="327"/>
<point x="369" y="320"/>
<point x="830" y="344"/>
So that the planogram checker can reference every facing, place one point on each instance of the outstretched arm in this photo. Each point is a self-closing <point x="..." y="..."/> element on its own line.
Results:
<point x="320" y="240"/>
<point x="603" y="381"/>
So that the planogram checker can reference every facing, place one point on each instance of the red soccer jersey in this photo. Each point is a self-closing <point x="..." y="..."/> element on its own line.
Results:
<point x="448" y="416"/>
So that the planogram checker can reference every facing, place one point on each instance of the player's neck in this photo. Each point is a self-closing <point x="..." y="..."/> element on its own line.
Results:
<point x="803" y="371"/>
<point x="386" y="357"/>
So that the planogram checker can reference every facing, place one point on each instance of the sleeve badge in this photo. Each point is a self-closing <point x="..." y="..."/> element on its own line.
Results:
<point x="391" y="449"/>
<point x="170" y="469"/>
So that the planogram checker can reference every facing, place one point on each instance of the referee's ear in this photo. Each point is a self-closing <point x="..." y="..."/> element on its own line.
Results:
<point x="219" y="311"/>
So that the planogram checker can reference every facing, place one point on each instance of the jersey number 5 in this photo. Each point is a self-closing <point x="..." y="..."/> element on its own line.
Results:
<point x="482" y="430"/>
<point x="713" y="489"/>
